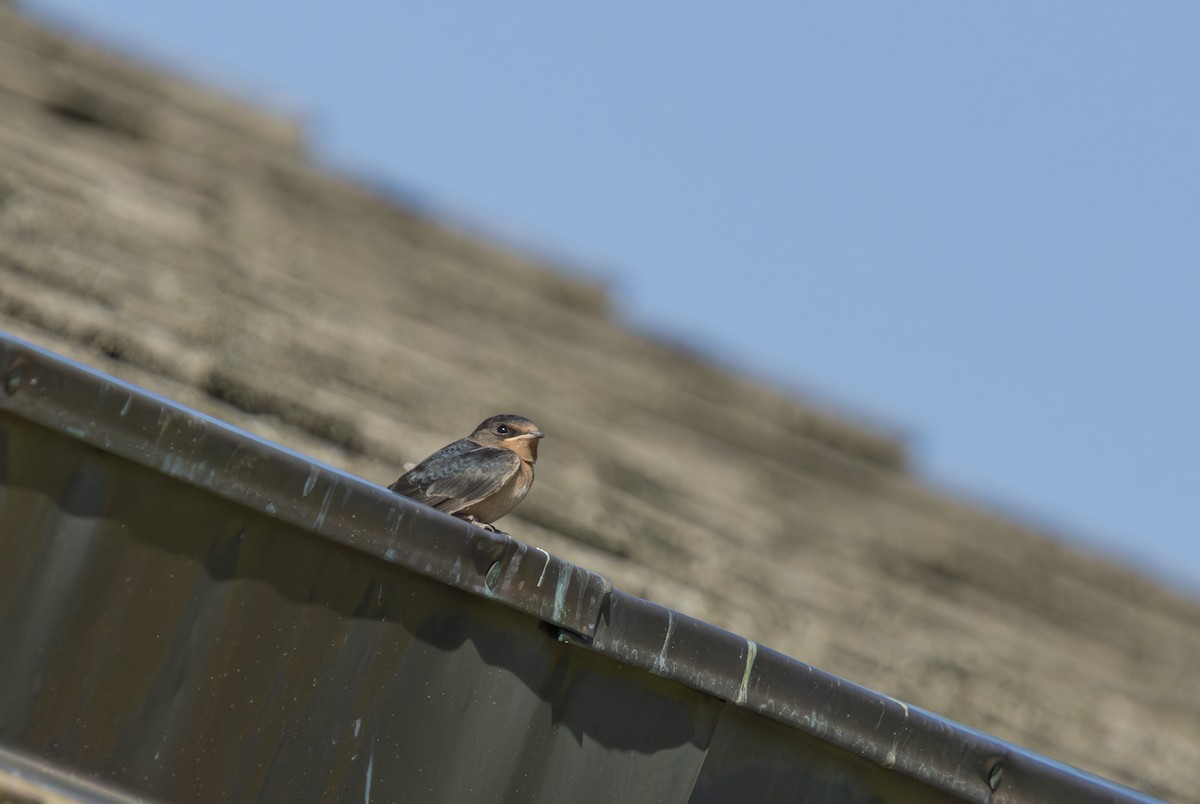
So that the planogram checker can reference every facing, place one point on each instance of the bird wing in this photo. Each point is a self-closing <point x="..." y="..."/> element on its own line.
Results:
<point x="458" y="476"/>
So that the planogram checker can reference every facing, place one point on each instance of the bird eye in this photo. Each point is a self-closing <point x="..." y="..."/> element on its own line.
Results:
<point x="502" y="429"/>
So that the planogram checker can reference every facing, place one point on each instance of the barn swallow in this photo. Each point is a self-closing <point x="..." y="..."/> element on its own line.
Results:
<point x="479" y="478"/>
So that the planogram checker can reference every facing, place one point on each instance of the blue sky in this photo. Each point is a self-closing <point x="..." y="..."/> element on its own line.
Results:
<point x="977" y="223"/>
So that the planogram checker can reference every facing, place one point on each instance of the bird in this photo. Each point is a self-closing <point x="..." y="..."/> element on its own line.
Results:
<point x="479" y="478"/>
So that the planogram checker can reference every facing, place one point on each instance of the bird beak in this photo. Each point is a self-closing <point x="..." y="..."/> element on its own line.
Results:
<point x="536" y="434"/>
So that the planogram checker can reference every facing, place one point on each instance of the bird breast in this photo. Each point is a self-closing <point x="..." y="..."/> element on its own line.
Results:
<point x="506" y="498"/>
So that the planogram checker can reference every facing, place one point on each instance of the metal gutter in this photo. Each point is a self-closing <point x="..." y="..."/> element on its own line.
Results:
<point x="842" y="719"/>
<point x="143" y="427"/>
<point x="943" y="754"/>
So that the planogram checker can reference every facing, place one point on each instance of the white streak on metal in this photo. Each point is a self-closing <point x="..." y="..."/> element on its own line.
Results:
<point x="902" y="704"/>
<point x="751" y="653"/>
<point x="560" y="593"/>
<point x="514" y="563"/>
<point x="370" y="767"/>
<point x="320" y="522"/>
<point x="311" y="481"/>
<point x="660" y="663"/>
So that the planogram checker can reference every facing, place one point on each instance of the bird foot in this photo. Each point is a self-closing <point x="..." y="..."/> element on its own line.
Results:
<point x="485" y="525"/>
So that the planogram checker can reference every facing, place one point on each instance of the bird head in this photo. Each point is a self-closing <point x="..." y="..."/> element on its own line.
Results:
<point x="509" y="431"/>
